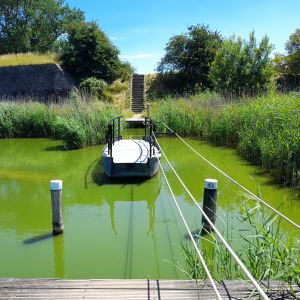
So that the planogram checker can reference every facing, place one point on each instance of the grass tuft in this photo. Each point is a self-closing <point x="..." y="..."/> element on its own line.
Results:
<point x="23" y="59"/>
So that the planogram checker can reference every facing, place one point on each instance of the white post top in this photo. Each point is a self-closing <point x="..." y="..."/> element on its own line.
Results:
<point x="56" y="185"/>
<point x="211" y="184"/>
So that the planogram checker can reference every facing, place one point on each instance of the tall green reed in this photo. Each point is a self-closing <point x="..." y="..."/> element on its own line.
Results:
<point x="267" y="251"/>
<point x="265" y="130"/>
<point x="77" y="123"/>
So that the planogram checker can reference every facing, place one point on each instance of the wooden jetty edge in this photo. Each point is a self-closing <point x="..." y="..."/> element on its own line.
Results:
<point x="12" y="288"/>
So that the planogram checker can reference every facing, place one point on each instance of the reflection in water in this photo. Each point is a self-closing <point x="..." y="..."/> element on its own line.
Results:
<point x="141" y="189"/>
<point x="137" y="193"/>
<point x="113" y="229"/>
<point x="59" y="256"/>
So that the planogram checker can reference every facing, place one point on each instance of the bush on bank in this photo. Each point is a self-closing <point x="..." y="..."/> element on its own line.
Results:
<point x="265" y="130"/>
<point x="77" y="124"/>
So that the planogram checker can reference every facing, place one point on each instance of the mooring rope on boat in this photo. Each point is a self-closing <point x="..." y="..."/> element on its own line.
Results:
<point x="235" y="256"/>
<point x="234" y="181"/>
<point x="191" y="236"/>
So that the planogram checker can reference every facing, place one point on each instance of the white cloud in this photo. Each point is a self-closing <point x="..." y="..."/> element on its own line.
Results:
<point x="113" y="38"/>
<point x="138" y="56"/>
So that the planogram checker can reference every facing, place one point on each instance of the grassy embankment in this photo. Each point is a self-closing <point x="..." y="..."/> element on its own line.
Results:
<point x="265" y="130"/>
<point x="77" y="123"/>
<point x="27" y="59"/>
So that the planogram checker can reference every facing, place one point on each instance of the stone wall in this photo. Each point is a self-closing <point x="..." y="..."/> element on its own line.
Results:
<point x="45" y="82"/>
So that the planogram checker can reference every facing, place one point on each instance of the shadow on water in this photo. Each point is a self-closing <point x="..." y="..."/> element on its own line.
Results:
<point x="56" y="148"/>
<point x="38" y="238"/>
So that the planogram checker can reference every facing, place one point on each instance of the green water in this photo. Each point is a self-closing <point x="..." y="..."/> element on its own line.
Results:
<point x="112" y="229"/>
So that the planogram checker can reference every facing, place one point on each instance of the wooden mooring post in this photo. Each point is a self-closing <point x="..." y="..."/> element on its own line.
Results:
<point x="209" y="202"/>
<point x="56" y="201"/>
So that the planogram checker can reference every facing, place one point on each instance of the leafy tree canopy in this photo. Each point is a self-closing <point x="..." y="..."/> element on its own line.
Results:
<point x="293" y="49"/>
<point x="243" y="66"/>
<point x="88" y="52"/>
<point x="293" y="44"/>
<point x="33" y="25"/>
<point x="191" y="54"/>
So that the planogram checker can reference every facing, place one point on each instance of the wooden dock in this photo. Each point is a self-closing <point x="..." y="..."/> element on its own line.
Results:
<point x="134" y="289"/>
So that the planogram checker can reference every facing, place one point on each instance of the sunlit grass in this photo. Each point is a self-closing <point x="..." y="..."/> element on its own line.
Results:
<point x="27" y="59"/>
<point x="76" y="122"/>
<point x="265" y="130"/>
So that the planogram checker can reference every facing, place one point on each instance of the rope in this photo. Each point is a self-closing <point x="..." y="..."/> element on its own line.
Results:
<point x="239" y="262"/>
<point x="191" y="236"/>
<point x="235" y="182"/>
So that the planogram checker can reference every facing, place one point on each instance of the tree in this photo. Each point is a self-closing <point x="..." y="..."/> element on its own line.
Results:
<point x="33" y="25"/>
<point x="191" y="55"/>
<point x="87" y="52"/>
<point x="293" y="49"/>
<point x="242" y="67"/>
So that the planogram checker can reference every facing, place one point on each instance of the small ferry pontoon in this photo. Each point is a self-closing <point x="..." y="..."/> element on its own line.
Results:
<point x="130" y="157"/>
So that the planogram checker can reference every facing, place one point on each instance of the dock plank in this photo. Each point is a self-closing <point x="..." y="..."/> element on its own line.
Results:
<point x="11" y="288"/>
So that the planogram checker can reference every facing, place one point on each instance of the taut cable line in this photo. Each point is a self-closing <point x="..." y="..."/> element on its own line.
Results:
<point x="191" y="236"/>
<point x="237" y="259"/>
<point x="234" y="181"/>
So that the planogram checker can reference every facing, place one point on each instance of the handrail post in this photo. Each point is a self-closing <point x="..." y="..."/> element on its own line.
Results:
<point x="113" y="132"/>
<point x="150" y="136"/>
<point x="119" y="128"/>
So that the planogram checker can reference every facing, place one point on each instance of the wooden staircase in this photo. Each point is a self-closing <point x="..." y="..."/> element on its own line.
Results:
<point x="137" y="93"/>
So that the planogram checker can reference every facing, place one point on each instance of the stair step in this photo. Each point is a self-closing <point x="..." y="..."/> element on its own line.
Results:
<point x="137" y="93"/>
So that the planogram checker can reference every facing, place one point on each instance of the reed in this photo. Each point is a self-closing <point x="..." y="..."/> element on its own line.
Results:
<point x="77" y="123"/>
<point x="265" y="130"/>
<point x="267" y="251"/>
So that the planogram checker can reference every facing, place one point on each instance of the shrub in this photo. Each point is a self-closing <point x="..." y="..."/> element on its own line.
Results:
<point x="93" y="86"/>
<point x="88" y="52"/>
<point x="242" y="67"/>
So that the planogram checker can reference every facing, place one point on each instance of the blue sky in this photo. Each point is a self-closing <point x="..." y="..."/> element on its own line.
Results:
<point x="141" y="29"/>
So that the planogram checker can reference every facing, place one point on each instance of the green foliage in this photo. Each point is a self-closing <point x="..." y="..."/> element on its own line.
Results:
<point x="93" y="86"/>
<point x="293" y="48"/>
<point x="242" y="67"/>
<point x="33" y="25"/>
<point x="78" y="124"/>
<point x="189" y="56"/>
<point x="30" y="120"/>
<point x="293" y="44"/>
<point x="288" y="66"/>
<point x="265" y="131"/>
<point x="88" y="52"/>
<point x="267" y="251"/>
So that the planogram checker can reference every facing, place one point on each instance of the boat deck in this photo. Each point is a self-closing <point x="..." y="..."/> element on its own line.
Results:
<point x="130" y="151"/>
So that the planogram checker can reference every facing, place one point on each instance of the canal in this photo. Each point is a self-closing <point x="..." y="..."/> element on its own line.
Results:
<point x="115" y="229"/>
